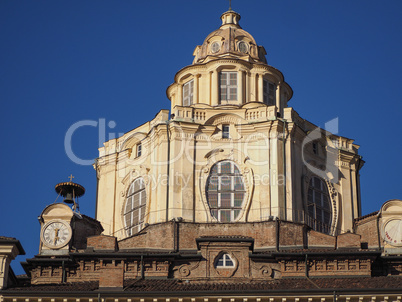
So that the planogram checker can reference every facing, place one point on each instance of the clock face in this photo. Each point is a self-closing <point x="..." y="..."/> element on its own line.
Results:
<point x="393" y="232"/>
<point x="56" y="234"/>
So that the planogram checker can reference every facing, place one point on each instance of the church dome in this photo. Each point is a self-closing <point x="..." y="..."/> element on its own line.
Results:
<point x="229" y="40"/>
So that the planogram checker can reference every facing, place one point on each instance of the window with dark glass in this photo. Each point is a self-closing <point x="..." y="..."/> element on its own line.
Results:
<point x="225" y="191"/>
<point x="224" y="261"/>
<point x="134" y="209"/>
<point x="315" y="148"/>
<point x="269" y="90"/>
<point x="188" y="89"/>
<point x="225" y="131"/>
<point x="228" y="86"/>
<point x="319" y="206"/>
<point x="139" y="149"/>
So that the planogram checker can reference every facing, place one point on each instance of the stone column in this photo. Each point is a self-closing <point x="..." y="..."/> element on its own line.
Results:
<point x="260" y="86"/>
<point x="9" y="249"/>
<point x="255" y="90"/>
<point x="180" y="94"/>
<point x="240" y="85"/>
<point x="247" y="90"/>
<point x="208" y="85"/>
<point x="214" y="89"/>
<point x="196" y="89"/>
<point x="278" y="98"/>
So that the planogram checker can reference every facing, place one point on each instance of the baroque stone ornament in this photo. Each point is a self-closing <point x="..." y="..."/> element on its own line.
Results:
<point x="266" y="270"/>
<point x="236" y="157"/>
<point x="263" y="270"/>
<point x="185" y="269"/>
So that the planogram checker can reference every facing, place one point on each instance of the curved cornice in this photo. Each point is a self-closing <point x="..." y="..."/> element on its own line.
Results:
<point x="208" y="66"/>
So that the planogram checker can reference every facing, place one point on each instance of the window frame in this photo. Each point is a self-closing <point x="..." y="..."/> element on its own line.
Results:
<point x="225" y="131"/>
<point x="243" y="47"/>
<point x="319" y="207"/>
<point x="188" y="93"/>
<point x="224" y="258"/>
<point x="214" y="49"/>
<point x="138" y="150"/>
<point x="228" y="92"/>
<point x="269" y="92"/>
<point x="130" y="212"/>
<point x="315" y="148"/>
<point x="225" y="208"/>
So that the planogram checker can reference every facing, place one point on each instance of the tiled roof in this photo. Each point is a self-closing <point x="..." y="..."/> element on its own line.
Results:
<point x="93" y="220"/>
<point x="317" y="251"/>
<point x="173" y="285"/>
<point x="365" y="216"/>
<point x="76" y="286"/>
<point x="7" y="238"/>
<point x="227" y="237"/>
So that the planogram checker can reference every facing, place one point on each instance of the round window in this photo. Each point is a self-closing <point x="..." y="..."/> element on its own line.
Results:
<point x="215" y="47"/>
<point x="243" y="47"/>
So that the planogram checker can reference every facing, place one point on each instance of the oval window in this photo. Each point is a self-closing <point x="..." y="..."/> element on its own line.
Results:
<point x="225" y="191"/>
<point x="243" y="47"/>
<point x="215" y="47"/>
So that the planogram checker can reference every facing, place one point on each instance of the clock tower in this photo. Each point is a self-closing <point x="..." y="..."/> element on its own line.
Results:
<point x="63" y="228"/>
<point x="56" y="230"/>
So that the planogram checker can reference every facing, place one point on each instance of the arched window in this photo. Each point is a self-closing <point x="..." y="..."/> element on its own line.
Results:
<point x="224" y="261"/>
<point x="319" y="206"/>
<point x="225" y="191"/>
<point x="134" y="209"/>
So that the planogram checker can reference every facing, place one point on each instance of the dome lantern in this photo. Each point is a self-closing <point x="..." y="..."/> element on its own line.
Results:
<point x="229" y="41"/>
<point x="230" y="18"/>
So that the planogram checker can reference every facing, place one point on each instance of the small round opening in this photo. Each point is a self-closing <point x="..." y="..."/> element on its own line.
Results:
<point x="243" y="47"/>
<point x="215" y="47"/>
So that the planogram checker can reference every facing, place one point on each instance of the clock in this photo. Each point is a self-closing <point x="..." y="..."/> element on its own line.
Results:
<point x="393" y="232"/>
<point x="56" y="234"/>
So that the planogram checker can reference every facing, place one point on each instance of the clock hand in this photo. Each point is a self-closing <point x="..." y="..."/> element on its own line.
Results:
<point x="56" y="235"/>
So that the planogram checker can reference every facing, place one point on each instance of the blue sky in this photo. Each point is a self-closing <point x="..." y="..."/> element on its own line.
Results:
<point x="66" y="61"/>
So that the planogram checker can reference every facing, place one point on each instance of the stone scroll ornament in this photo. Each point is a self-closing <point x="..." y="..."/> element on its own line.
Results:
<point x="263" y="270"/>
<point x="185" y="269"/>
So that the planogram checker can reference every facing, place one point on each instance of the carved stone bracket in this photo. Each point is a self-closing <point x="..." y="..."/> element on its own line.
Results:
<point x="185" y="269"/>
<point x="263" y="270"/>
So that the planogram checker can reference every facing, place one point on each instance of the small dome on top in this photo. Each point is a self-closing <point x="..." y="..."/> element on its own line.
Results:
<point x="229" y="41"/>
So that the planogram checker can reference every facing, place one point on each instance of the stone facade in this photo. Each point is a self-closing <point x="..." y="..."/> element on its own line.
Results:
<point x="188" y="251"/>
<point x="277" y="152"/>
<point x="9" y="249"/>
<point x="231" y="197"/>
